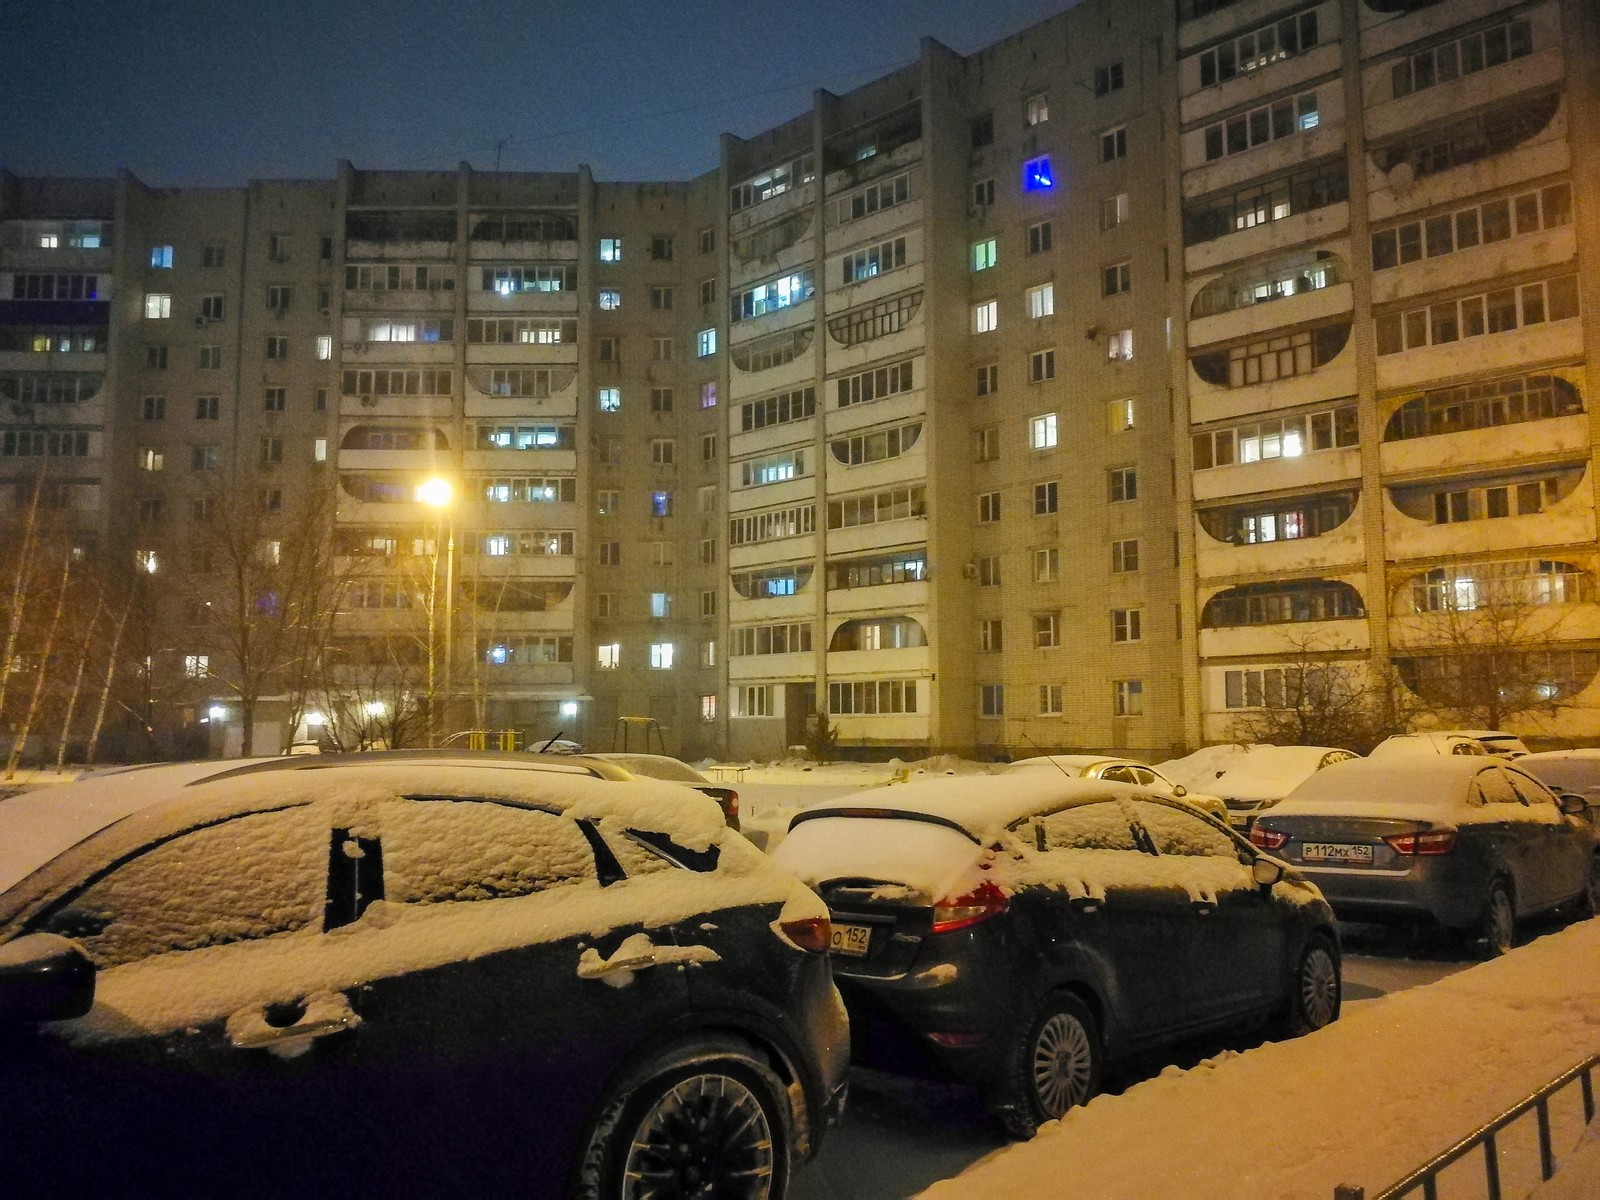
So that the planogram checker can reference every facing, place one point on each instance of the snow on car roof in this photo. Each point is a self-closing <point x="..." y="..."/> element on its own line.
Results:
<point x="1367" y="788"/>
<point x="983" y="805"/>
<point x="1077" y="764"/>
<point x="1269" y="772"/>
<point x="655" y="766"/>
<point x="122" y="810"/>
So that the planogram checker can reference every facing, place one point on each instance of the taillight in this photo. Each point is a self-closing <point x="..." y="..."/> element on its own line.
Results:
<point x="812" y="934"/>
<point x="1438" y="841"/>
<point x="730" y="807"/>
<point x="981" y="903"/>
<point x="1267" y="839"/>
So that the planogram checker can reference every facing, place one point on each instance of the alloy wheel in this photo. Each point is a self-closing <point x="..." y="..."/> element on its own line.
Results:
<point x="1499" y="922"/>
<point x="706" y="1137"/>
<point x="1319" y="987"/>
<point x="1063" y="1063"/>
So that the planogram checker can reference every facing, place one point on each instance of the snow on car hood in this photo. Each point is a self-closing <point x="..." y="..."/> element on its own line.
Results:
<point x="1269" y="772"/>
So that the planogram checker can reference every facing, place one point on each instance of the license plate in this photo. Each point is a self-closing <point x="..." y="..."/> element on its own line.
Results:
<point x="851" y="939"/>
<point x="1335" y="852"/>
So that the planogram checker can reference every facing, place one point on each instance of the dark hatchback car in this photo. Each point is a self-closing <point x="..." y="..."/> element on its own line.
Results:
<point x="404" y="974"/>
<point x="1470" y="842"/>
<point x="1026" y="932"/>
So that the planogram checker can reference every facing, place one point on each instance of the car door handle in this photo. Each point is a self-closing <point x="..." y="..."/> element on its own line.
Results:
<point x="1086" y="904"/>
<point x="1203" y="907"/>
<point x="320" y="1016"/>
<point x="599" y="968"/>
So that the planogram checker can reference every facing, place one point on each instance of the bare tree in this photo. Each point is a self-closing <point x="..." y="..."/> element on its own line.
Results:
<point x="271" y="601"/>
<point x="1327" y="693"/>
<point x="1491" y="646"/>
<point x="372" y="693"/>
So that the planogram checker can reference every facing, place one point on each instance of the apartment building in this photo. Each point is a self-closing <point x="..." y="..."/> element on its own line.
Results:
<point x="1072" y="394"/>
<point x="1384" y="209"/>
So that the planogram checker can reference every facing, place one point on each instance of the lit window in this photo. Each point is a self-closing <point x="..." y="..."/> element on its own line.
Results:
<point x="1042" y="432"/>
<point x="661" y="656"/>
<point x="986" y="316"/>
<point x="161" y="257"/>
<point x="1042" y="301"/>
<point x="610" y="299"/>
<point x="150" y="460"/>
<point x="708" y="708"/>
<point x="157" y="306"/>
<point x="1037" y="175"/>
<point x="196" y="666"/>
<point x="319" y="450"/>
<point x="1119" y="415"/>
<point x="610" y="399"/>
<point x="609" y="656"/>
<point x="610" y="250"/>
<point x="660" y="504"/>
<point x="705" y="343"/>
<point x="708" y="395"/>
<point x="660" y="605"/>
<point x="325" y="347"/>
<point x="983" y="254"/>
<point x="1038" y="108"/>
<point x="1119" y="346"/>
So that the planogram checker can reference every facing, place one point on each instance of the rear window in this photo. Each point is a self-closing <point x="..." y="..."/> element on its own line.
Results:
<point x="929" y="859"/>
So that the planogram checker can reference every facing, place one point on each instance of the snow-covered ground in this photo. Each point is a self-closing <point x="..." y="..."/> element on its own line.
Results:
<point x="1362" y="1102"/>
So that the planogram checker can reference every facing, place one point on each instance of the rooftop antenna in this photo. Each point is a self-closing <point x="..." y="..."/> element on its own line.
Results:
<point x="499" y="146"/>
<point x="1050" y="758"/>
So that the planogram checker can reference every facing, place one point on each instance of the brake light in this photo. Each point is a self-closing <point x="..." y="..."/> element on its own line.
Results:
<point x="1438" y="841"/>
<point x="731" y="805"/>
<point x="1267" y="839"/>
<point x="812" y="934"/>
<point x="980" y="904"/>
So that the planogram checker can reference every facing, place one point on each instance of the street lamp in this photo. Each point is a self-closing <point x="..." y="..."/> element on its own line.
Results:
<point x="437" y="494"/>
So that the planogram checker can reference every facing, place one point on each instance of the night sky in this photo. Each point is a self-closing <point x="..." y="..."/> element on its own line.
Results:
<point x="214" y="92"/>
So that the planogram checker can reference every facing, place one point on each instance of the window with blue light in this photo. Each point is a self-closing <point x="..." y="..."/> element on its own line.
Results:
<point x="161" y="257"/>
<point x="1037" y="175"/>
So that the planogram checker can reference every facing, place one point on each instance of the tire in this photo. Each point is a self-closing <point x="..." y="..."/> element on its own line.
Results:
<point x="1057" y="1065"/>
<point x="708" y="1119"/>
<point x="1589" y="902"/>
<point x="1317" y="988"/>
<point x="1497" y="927"/>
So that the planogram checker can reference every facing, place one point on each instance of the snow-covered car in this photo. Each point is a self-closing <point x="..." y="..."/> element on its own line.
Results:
<point x="661" y="766"/>
<point x="1468" y="841"/>
<point x="1263" y="775"/>
<point x="1412" y="745"/>
<point x="1024" y="930"/>
<point x="404" y="974"/>
<point x="1121" y="770"/>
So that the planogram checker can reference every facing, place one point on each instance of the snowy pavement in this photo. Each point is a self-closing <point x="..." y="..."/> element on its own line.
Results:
<point x="1361" y="1102"/>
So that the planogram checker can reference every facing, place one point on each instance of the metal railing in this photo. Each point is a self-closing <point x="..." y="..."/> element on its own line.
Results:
<point x="1427" y="1176"/>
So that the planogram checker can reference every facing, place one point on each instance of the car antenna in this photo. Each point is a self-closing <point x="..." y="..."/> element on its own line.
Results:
<point x="1050" y="758"/>
<point x="551" y="742"/>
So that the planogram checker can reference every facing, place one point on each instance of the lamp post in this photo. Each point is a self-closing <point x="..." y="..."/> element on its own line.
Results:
<point x="437" y="494"/>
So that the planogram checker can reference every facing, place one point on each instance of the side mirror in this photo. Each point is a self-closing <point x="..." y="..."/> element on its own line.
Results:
<point x="1266" y="872"/>
<point x="1179" y="790"/>
<point x="44" y="977"/>
<point x="1573" y="806"/>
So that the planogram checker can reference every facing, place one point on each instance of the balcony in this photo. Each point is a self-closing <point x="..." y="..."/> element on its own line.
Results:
<point x="770" y="608"/>
<point x="1251" y="641"/>
<point x="1251" y="87"/>
<point x="1550" y="341"/>
<point x="1313" y="225"/>
<point x="773" y="553"/>
<point x="503" y="354"/>
<point x="1310" y="470"/>
<point x="1445" y="452"/>
<point x="521" y="462"/>
<point x="1343" y="543"/>
<point x="772" y="666"/>
<point x="847" y="664"/>
<point x="1490" y="263"/>
<point x="1567" y="521"/>
<point x="1260" y="319"/>
<point x="884" y="535"/>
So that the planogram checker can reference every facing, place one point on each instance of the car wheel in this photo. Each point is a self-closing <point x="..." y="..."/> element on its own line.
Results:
<point x="1589" y="902"/>
<point x="1497" y="927"/>
<point x="1317" y="989"/>
<point x="703" y="1120"/>
<point x="1057" y="1066"/>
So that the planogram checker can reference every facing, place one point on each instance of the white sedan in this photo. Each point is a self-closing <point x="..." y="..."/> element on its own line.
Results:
<point x="1122" y="770"/>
